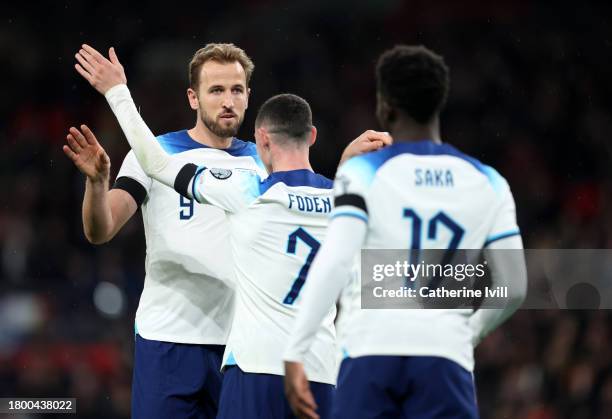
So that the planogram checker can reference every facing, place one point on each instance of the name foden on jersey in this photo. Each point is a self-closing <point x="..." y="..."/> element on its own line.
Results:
<point x="433" y="177"/>
<point x="309" y="203"/>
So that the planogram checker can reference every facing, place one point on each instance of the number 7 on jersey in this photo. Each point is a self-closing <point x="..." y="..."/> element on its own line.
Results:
<point x="314" y="245"/>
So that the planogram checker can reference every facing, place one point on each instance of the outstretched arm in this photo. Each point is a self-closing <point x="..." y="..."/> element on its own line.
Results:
<point x="228" y="193"/>
<point x="107" y="76"/>
<point x="151" y="156"/>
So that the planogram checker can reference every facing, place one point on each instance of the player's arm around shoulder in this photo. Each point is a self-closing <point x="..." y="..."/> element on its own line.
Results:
<point x="370" y="140"/>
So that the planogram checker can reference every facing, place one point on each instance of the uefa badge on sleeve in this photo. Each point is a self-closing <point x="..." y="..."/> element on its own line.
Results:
<point x="221" y="174"/>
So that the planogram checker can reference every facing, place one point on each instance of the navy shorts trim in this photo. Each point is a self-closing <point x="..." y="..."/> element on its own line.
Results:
<point x="175" y="380"/>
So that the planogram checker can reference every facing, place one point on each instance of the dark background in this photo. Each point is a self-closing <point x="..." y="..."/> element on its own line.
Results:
<point x="530" y="95"/>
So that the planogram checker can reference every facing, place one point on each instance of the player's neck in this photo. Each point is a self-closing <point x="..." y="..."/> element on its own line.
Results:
<point x="408" y="130"/>
<point x="290" y="160"/>
<point x="201" y="134"/>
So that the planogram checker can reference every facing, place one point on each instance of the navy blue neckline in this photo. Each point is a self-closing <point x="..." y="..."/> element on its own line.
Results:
<point x="429" y="147"/>
<point x="299" y="177"/>
<point x="422" y="148"/>
<point x="179" y="141"/>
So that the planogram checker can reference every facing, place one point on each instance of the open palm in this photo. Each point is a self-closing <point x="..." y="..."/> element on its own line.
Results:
<point x="87" y="154"/>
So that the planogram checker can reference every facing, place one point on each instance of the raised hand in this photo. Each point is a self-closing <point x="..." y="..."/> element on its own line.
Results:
<point x="100" y="72"/>
<point x="368" y="141"/>
<point x="87" y="154"/>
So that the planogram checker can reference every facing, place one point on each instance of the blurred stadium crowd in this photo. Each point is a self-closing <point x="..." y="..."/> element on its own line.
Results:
<point x="531" y="95"/>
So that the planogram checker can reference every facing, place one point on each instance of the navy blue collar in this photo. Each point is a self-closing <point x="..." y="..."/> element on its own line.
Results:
<point x="179" y="141"/>
<point x="300" y="177"/>
<point x="421" y="148"/>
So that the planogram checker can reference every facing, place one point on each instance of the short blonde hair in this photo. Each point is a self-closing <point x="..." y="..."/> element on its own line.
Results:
<point x="222" y="53"/>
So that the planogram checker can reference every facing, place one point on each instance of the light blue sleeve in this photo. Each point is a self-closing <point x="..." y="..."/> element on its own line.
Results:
<point x="230" y="190"/>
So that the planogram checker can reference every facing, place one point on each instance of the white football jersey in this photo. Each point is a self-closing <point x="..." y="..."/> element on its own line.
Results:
<point x="188" y="295"/>
<point x="276" y="228"/>
<point x="419" y="195"/>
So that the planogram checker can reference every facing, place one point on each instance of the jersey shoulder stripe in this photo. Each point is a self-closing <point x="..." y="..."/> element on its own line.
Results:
<point x="180" y="141"/>
<point x="366" y="165"/>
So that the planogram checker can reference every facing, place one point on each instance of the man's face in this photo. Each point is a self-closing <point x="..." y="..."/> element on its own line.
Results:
<point x="222" y="97"/>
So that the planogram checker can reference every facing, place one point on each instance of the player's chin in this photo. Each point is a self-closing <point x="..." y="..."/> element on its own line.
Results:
<point x="227" y="130"/>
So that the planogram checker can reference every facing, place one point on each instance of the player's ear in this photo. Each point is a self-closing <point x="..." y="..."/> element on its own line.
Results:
<point x="248" y="94"/>
<point x="192" y="96"/>
<point x="262" y="136"/>
<point x="312" y="136"/>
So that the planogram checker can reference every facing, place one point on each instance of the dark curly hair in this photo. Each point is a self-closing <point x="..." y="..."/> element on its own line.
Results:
<point x="413" y="79"/>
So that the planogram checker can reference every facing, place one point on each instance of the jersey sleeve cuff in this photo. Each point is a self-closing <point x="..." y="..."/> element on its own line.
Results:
<point x="117" y="90"/>
<point x="500" y="236"/>
<point x="349" y="211"/>
<point x="194" y="191"/>
<point x="133" y="187"/>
